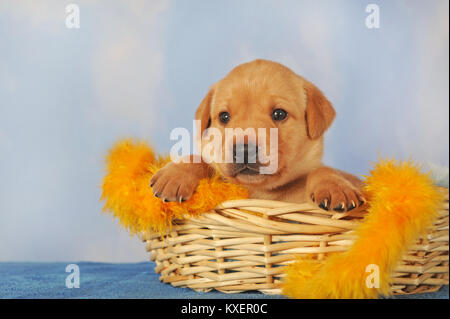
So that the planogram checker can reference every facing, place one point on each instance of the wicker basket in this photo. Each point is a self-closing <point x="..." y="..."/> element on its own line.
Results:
<point x="243" y="245"/>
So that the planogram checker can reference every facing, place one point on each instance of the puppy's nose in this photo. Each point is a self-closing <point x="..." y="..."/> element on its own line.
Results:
<point x="245" y="153"/>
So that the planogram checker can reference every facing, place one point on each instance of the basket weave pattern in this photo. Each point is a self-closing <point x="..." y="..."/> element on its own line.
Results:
<point x="244" y="245"/>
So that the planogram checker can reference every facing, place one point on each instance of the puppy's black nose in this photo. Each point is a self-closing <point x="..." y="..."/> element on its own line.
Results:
<point x="245" y="153"/>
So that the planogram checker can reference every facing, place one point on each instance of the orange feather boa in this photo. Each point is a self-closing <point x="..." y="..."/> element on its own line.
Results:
<point x="128" y="196"/>
<point x="403" y="205"/>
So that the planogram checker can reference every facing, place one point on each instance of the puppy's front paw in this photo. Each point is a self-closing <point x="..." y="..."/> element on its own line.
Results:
<point x="174" y="182"/>
<point x="337" y="194"/>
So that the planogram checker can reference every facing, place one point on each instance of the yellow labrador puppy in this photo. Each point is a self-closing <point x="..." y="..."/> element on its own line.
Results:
<point x="266" y="95"/>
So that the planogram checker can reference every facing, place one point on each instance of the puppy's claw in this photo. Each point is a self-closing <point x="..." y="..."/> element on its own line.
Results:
<point x="362" y="201"/>
<point x="340" y="208"/>
<point x="352" y="206"/>
<point x="324" y="204"/>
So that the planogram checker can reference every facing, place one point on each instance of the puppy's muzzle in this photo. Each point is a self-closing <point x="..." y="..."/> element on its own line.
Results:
<point x="245" y="159"/>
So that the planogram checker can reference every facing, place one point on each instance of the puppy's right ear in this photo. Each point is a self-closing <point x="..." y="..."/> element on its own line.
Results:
<point x="319" y="111"/>
<point x="203" y="112"/>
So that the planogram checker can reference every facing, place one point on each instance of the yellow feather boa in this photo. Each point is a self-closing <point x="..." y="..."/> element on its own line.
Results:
<point x="128" y="196"/>
<point x="403" y="205"/>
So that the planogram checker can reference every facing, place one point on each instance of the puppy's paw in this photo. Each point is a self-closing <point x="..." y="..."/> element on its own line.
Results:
<point x="175" y="182"/>
<point x="337" y="194"/>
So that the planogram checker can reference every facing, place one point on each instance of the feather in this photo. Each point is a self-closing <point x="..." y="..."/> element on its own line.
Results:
<point x="129" y="198"/>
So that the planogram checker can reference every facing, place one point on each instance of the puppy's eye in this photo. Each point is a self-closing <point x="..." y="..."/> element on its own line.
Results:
<point x="224" y="117"/>
<point x="279" y="114"/>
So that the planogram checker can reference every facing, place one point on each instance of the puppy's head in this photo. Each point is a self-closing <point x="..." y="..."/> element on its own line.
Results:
<point x="252" y="99"/>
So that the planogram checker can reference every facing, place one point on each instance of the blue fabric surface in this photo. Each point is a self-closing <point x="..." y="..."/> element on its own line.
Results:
<point x="105" y="280"/>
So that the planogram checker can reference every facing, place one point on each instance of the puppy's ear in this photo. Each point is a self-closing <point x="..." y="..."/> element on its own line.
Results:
<point x="203" y="112"/>
<point x="319" y="111"/>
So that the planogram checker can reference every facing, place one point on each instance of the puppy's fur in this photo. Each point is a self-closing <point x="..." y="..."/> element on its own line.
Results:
<point x="250" y="93"/>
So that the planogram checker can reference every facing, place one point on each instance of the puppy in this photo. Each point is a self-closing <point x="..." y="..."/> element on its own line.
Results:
<point x="265" y="94"/>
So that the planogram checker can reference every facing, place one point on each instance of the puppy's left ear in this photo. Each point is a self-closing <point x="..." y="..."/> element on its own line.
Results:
<point x="319" y="111"/>
<point x="204" y="109"/>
